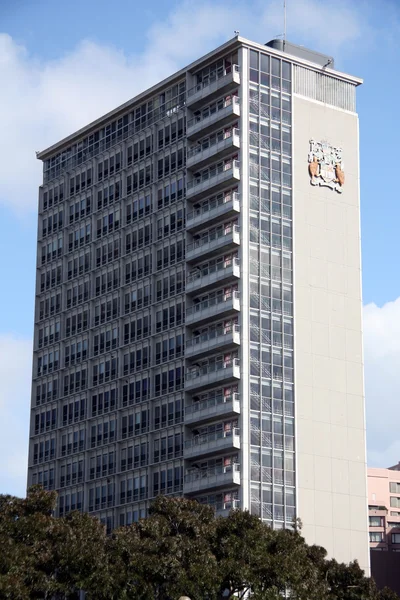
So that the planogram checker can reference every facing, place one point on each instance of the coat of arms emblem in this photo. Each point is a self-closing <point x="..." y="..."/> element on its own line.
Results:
<point x="326" y="165"/>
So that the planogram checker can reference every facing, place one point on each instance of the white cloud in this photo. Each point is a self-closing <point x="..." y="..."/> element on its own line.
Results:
<point x="15" y="390"/>
<point x="382" y="361"/>
<point x="43" y="101"/>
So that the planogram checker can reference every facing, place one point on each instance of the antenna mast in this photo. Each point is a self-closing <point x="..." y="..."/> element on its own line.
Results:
<point x="284" y="23"/>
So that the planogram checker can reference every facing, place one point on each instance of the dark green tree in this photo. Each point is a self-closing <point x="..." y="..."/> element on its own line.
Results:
<point x="180" y="549"/>
<point x="168" y="554"/>
<point x="45" y="557"/>
<point x="387" y="594"/>
<point x="252" y="556"/>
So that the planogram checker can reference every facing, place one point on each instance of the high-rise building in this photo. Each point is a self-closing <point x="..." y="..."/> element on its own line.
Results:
<point x="198" y="301"/>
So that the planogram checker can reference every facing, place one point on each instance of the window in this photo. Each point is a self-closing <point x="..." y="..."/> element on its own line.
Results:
<point x="377" y="536"/>
<point x="376" y="521"/>
<point x="104" y="401"/>
<point x="136" y="391"/>
<point x="394" y="487"/>
<point x="395" y="538"/>
<point x="394" y="502"/>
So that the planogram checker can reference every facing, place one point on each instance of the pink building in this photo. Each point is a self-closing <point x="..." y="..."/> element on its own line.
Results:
<point x="384" y="508"/>
<point x="384" y="526"/>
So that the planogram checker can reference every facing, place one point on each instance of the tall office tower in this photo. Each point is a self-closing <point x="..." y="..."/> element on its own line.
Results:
<point x="198" y="304"/>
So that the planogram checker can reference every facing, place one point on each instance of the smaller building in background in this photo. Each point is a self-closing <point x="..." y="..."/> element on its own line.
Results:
<point x="384" y="525"/>
<point x="384" y="508"/>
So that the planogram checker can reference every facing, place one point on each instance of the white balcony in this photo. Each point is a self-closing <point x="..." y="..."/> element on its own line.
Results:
<point x="211" y="308"/>
<point x="205" y="277"/>
<point x="200" y="125"/>
<point x="214" y="180"/>
<point x="208" y="375"/>
<point x="208" y="410"/>
<point x="200" y="155"/>
<point x="213" y="85"/>
<point x="213" y="241"/>
<point x="212" y="340"/>
<point x="216" y="478"/>
<point x="212" y="443"/>
<point x="212" y="211"/>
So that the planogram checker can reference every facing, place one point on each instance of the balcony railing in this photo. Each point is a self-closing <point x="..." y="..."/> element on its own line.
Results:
<point x="220" y="470"/>
<point x="210" y="443"/>
<point x="227" y="237"/>
<point x="213" y="141"/>
<point x="211" y="403"/>
<point x="213" y="339"/>
<point x="222" y="144"/>
<point x="212" y="334"/>
<point x="211" y="236"/>
<point x="213" y="83"/>
<point x="216" y="477"/>
<point x="212" y="307"/>
<point x="214" y="177"/>
<point x="211" y="173"/>
<point x="203" y="271"/>
<point x="207" y="410"/>
<point x="211" y="205"/>
<point x="211" y="368"/>
<point x="209" y="374"/>
<point x="218" y="113"/>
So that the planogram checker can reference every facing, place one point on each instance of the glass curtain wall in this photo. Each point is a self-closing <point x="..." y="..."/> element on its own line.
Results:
<point x="271" y="291"/>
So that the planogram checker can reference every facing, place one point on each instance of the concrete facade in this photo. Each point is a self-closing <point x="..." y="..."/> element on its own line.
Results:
<point x="328" y="340"/>
<point x="198" y="303"/>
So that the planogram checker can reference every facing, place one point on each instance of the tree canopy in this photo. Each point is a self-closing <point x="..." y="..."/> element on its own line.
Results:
<point x="181" y="549"/>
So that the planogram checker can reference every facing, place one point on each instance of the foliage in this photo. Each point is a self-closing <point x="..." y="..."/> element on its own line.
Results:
<point x="168" y="554"/>
<point x="180" y="549"/>
<point x="44" y="557"/>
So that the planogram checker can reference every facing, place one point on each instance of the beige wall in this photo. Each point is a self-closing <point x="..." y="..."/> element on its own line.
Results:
<point x="331" y="462"/>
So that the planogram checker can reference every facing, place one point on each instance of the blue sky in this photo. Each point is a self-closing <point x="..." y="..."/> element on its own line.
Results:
<point x="64" y="64"/>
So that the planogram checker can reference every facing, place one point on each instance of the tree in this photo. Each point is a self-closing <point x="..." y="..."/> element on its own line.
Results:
<point x="168" y="554"/>
<point x="253" y="556"/>
<point x="24" y="529"/>
<point x="180" y="549"/>
<point x="82" y="552"/>
<point x="45" y="557"/>
<point x="347" y="582"/>
<point x="387" y="594"/>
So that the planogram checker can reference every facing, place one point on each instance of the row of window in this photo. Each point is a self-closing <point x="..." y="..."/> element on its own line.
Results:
<point x="164" y="104"/>
<point x="52" y="223"/>
<point x="169" y="164"/>
<point x="108" y="310"/>
<point x="79" y="182"/>
<point x="379" y="536"/>
<point x="109" y="166"/>
<point x="135" y="209"/>
<point x="53" y="196"/>
<point x="165" y="414"/>
<point x="109" y="193"/>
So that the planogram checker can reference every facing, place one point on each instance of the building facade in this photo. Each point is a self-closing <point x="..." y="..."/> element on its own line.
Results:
<point x="384" y="508"/>
<point x="384" y="525"/>
<point x="198" y="300"/>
